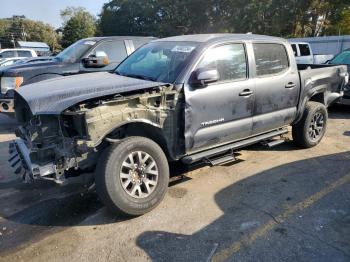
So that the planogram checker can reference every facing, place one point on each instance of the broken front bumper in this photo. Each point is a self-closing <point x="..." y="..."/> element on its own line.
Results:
<point x="22" y="164"/>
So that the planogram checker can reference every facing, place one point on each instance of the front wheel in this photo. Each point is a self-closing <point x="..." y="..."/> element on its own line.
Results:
<point x="309" y="131"/>
<point x="132" y="177"/>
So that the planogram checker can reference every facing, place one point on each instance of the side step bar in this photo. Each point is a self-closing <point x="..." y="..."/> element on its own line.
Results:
<point x="229" y="158"/>
<point x="274" y="143"/>
<point x="233" y="146"/>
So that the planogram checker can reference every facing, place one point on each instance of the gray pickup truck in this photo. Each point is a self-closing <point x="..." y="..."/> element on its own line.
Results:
<point x="186" y="98"/>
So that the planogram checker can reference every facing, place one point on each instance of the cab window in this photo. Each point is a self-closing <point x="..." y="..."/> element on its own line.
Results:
<point x="295" y="51"/>
<point x="115" y="50"/>
<point x="270" y="59"/>
<point x="24" y="53"/>
<point x="304" y="50"/>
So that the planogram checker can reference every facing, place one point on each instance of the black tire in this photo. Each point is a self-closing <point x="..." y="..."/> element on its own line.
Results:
<point x="301" y="130"/>
<point x="108" y="177"/>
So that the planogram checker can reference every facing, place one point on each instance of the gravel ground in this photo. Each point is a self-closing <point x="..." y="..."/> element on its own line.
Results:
<point x="279" y="204"/>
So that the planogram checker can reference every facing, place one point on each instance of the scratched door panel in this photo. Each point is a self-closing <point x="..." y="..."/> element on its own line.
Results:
<point x="218" y="114"/>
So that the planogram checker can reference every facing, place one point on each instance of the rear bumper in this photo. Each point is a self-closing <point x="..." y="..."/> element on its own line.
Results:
<point x="22" y="164"/>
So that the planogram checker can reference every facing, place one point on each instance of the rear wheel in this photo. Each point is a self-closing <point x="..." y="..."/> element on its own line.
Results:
<point x="132" y="177"/>
<point x="309" y="131"/>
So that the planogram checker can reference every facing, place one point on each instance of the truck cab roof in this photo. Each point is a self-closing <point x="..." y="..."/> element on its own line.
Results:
<point x="101" y="38"/>
<point x="206" y="38"/>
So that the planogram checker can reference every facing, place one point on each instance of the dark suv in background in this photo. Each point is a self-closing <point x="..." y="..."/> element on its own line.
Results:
<point x="87" y="55"/>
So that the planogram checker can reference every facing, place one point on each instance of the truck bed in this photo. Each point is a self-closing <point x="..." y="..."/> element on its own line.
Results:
<point x="327" y="80"/>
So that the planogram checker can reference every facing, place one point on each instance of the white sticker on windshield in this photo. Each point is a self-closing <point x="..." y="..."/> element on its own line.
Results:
<point x="89" y="43"/>
<point x="183" y="49"/>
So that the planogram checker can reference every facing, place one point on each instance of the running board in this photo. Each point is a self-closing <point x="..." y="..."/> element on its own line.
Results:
<point x="221" y="160"/>
<point x="274" y="143"/>
<point x="233" y="146"/>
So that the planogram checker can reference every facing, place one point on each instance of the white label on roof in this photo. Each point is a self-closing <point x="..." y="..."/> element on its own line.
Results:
<point x="89" y="43"/>
<point x="183" y="49"/>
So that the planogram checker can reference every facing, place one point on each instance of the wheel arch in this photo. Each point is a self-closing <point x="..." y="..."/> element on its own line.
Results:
<point x="143" y="129"/>
<point x="314" y="97"/>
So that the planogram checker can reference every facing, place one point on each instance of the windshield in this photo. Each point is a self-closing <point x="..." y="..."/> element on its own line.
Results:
<point x="341" y="59"/>
<point x="75" y="51"/>
<point x="157" y="61"/>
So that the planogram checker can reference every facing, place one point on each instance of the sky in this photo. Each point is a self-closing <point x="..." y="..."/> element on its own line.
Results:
<point x="47" y="11"/>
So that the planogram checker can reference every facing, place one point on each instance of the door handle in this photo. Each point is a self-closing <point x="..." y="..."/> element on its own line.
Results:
<point x="246" y="92"/>
<point x="290" y="85"/>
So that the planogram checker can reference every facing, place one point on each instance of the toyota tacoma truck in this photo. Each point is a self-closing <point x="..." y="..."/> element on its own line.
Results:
<point x="190" y="98"/>
<point x="85" y="56"/>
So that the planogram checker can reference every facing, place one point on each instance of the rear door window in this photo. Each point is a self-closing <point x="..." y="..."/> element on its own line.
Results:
<point x="304" y="50"/>
<point x="7" y="54"/>
<point x="115" y="50"/>
<point x="270" y="59"/>
<point x="24" y="53"/>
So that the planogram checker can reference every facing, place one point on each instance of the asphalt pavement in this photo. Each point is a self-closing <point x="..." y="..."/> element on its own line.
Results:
<point x="279" y="204"/>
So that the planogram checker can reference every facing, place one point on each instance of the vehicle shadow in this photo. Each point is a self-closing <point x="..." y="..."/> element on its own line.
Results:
<point x="37" y="210"/>
<point x="32" y="211"/>
<point x="251" y="203"/>
<point x="339" y="112"/>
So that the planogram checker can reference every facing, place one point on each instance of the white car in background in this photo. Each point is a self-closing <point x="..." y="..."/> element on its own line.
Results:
<point x="304" y="54"/>
<point x="17" y="53"/>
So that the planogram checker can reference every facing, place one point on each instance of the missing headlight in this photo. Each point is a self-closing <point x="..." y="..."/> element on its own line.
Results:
<point x="74" y="125"/>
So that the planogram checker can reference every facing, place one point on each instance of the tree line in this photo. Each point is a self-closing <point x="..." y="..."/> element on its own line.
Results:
<point x="161" y="18"/>
<point x="286" y="18"/>
<point x="77" y="24"/>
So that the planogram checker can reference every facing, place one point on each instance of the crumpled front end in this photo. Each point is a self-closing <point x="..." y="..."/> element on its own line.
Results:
<point x="44" y="150"/>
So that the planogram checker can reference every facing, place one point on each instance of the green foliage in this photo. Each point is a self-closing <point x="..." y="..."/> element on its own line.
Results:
<point x="27" y="30"/>
<point x="171" y="17"/>
<point x="78" y="24"/>
<point x="4" y="26"/>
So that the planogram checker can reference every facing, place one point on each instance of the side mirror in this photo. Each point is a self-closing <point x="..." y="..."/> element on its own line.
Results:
<point x="98" y="60"/>
<point x="204" y="77"/>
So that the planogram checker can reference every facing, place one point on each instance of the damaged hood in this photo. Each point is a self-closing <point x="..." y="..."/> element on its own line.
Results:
<point x="56" y="95"/>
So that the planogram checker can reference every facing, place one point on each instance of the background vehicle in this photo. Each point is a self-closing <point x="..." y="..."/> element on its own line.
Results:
<point x="343" y="59"/>
<point x="303" y="53"/>
<point x="17" y="52"/>
<point x="190" y="98"/>
<point x="23" y="60"/>
<point x="85" y="56"/>
<point x="9" y="61"/>
<point x="38" y="59"/>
